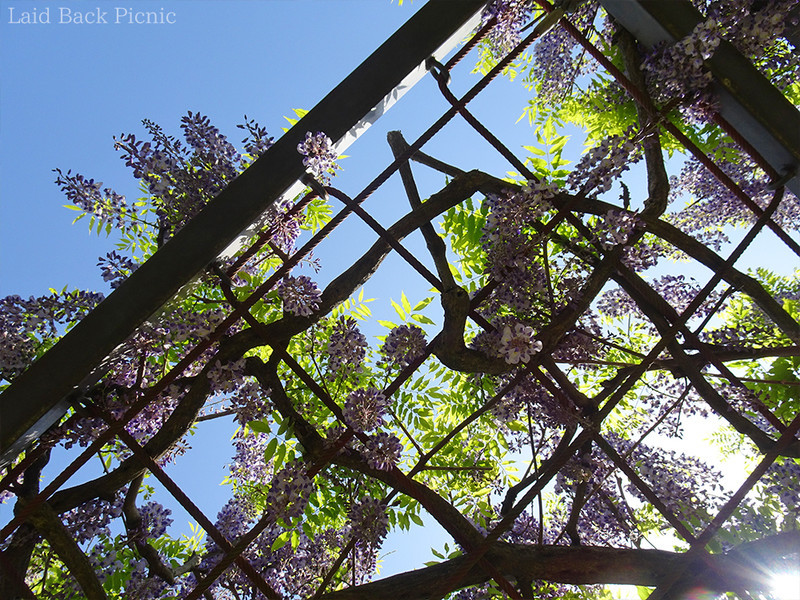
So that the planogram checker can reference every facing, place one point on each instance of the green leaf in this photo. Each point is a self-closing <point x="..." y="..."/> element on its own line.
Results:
<point x="269" y="451"/>
<point x="279" y="456"/>
<point x="405" y="302"/>
<point x="417" y="520"/>
<point x="534" y="150"/>
<point x="644" y="592"/>
<point x="259" y="426"/>
<point x="281" y="540"/>
<point x="422" y="319"/>
<point x="422" y="304"/>
<point x="398" y="310"/>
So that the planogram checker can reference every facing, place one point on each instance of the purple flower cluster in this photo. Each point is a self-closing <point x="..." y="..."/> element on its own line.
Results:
<point x="512" y="211"/>
<point x="511" y="245"/>
<point x="596" y="171"/>
<point x="678" y="71"/>
<point x="511" y="15"/>
<point x="25" y="325"/>
<point x="319" y="155"/>
<point x="368" y="521"/>
<point x="142" y="585"/>
<point x="382" y="451"/>
<point x="248" y="466"/>
<point x="403" y="345"/>
<point x="518" y="344"/>
<point x="257" y="141"/>
<point x="92" y="518"/>
<point x="687" y="486"/>
<point x="233" y="520"/>
<point x="250" y="401"/>
<point x="116" y="268"/>
<point x="285" y="228"/>
<point x="618" y="226"/>
<point x="346" y="347"/>
<point x="759" y="31"/>
<point x="90" y="196"/>
<point x="180" y="178"/>
<point x="300" y="295"/>
<point x="557" y="58"/>
<point x="711" y="205"/>
<point x="155" y="519"/>
<point x="783" y="479"/>
<point x="677" y="290"/>
<point x="364" y="409"/>
<point x="288" y="495"/>
<point x="226" y="379"/>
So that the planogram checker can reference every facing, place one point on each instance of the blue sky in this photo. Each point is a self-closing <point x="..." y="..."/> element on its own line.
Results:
<point x="68" y="88"/>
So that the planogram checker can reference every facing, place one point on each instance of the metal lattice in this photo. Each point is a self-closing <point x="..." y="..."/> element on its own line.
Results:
<point x="331" y="444"/>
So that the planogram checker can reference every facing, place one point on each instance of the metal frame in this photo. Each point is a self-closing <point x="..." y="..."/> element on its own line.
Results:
<point x="43" y="393"/>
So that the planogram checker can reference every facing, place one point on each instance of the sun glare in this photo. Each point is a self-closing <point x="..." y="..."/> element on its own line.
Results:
<point x="786" y="586"/>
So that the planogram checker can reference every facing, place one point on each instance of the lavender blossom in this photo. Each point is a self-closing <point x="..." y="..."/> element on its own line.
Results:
<point x="597" y="169"/>
<point x="90" y="196"/>
<point x="300" y="295"/>
<point x="618" y="227"/>
<point x="518" y="345"/>
<point x="346" y="347"/>
<point x="403" y="345"/>
<point x="364" y="409"/>
<point x="319" y="155"/>
<point x="116" y="268"/>
<point x="369" y="521"/>
<point x="289" y="492"/>
<point x="510" y="16"/>
<point x="155" y="519"/>
<point x="382" y="451"/>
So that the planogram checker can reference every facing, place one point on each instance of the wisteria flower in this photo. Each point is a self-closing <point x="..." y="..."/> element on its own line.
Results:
<point x="619" y="225"/>
<point x="288" y="495"/>
<point x="517" y="345"/>
<point x="403" y="345"/>
<point x="300" y="295"/>
<point x="369" y="521"/>
<point x="346" y="346"/>
<point x="319" y="155"/>
<point x="382" y="451"/>
<point x="364" y="409"/>
<point x="155" y="519"/>
<point x="511" y="16"/>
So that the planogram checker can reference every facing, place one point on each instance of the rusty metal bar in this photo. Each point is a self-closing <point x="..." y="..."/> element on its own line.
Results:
<point x="42" y="395"/>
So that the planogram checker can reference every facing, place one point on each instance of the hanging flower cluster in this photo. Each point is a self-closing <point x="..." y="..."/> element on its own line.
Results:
<point x="300" y="295"/>
<point x="403" y="345"/>
<point x="365" y="408"/>
<point x="346" y="347"/>
<point x="319" y="155"/>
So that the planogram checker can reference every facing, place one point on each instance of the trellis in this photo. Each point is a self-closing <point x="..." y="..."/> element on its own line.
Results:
<point x="436" y="25"/>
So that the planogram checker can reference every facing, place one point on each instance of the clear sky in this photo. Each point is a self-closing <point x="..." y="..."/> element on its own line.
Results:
<point x="66" y="89"/>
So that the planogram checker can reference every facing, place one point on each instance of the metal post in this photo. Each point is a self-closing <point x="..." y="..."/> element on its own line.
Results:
<point x="41" y="395"/>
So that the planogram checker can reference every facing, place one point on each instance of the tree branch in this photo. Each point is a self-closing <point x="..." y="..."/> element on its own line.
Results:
<point x="578" y="565"/>
<point x="46" y="521"/>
